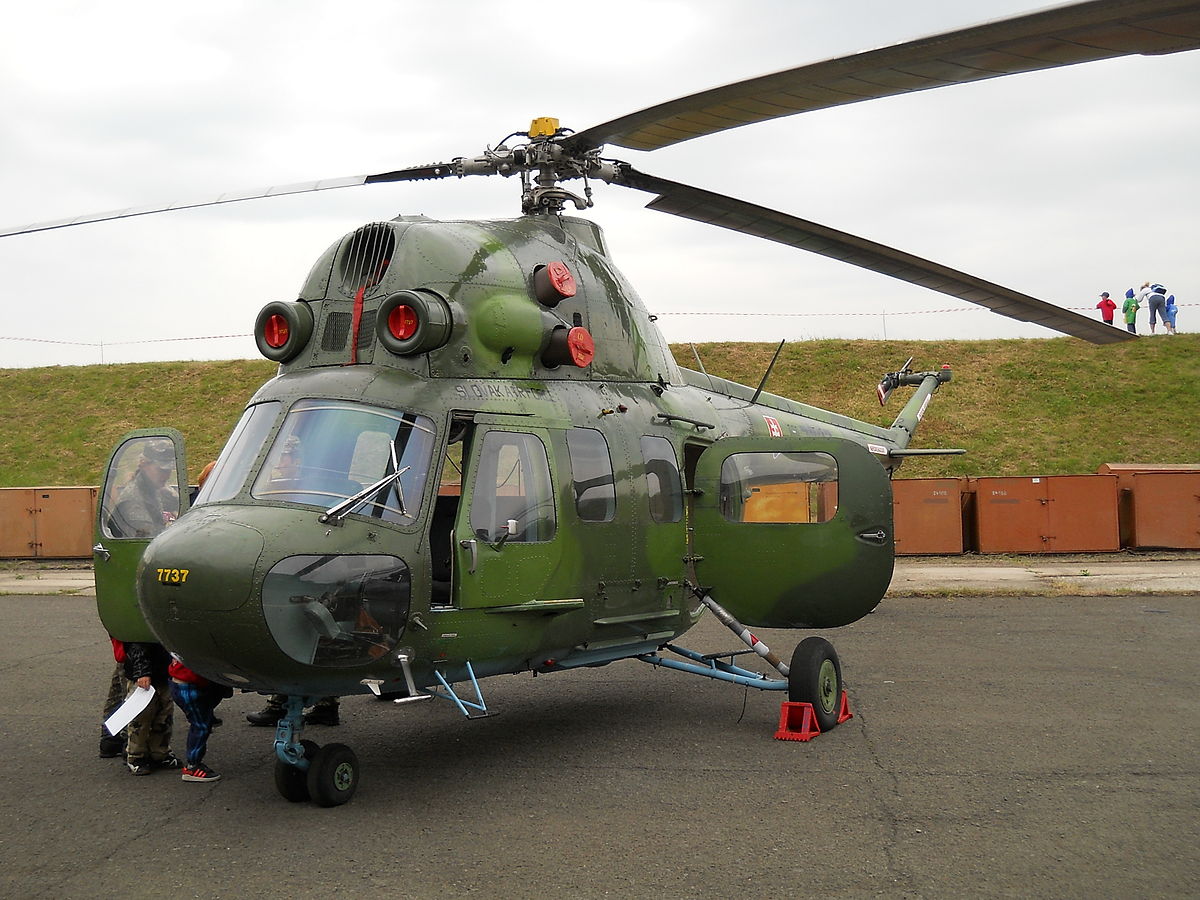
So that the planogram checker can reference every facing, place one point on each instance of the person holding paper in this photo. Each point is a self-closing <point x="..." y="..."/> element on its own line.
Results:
<point x="148" y="741"/>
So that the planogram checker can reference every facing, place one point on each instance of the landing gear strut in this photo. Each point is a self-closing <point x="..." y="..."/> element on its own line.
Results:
<point x="305" y="771"/>
<point x="814" y="676"/>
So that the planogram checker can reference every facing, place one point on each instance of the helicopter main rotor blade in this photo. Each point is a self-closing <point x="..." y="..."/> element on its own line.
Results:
<point x="1058" y="36"/>
<point x="737" y="215"/>
<point x="415" y="173"/>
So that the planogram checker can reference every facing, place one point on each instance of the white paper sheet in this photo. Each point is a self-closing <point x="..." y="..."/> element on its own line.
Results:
<point x="128" y="711"/>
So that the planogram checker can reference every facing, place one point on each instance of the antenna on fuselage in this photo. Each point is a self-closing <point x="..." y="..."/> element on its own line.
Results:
<point x="767" y="374"/>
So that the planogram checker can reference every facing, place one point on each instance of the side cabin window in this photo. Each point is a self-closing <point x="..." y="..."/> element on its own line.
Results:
<point x="779" y="487"/>
<point x="513" y="492"/>
<point x="662" y="479"/>
<point x="592" y="475"/>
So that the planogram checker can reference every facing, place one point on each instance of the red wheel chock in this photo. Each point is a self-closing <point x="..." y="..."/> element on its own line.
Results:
<point x="798" y="721"/>
<point x="844" y="710"/>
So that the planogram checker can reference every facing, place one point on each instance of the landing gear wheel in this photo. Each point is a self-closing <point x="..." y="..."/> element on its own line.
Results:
<point x="816" y="677"/>
<point x="292" y="781"/>
<point x="333" y="775"/>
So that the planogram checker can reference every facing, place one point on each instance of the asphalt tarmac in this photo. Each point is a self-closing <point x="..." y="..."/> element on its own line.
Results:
<point x="1000" y="747"/>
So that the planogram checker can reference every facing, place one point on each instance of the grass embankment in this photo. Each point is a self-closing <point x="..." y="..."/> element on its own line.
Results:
<point x="1021" y="407"/>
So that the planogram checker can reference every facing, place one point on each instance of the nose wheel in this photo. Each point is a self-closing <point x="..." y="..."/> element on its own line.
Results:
<point x="332" y="776"/>
<point x="306" y="771"/>
<point x="292" y="781"/>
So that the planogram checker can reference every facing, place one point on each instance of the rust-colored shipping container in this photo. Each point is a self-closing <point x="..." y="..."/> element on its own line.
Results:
<point x="1046" y="514"/>
<point x="1125" y="484"/>
<point x="17" y="538"/>
<point x="47" y="522"/>
<point x="928" y="515"/>
<point x="1164" y="510"/>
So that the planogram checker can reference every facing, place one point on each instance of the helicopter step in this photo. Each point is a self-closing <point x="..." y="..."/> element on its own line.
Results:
<point x="476" y="709"/>
<point x="411" y="695"/>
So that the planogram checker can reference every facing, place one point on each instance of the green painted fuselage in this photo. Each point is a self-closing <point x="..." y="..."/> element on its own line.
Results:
<point x="591" y="588"/>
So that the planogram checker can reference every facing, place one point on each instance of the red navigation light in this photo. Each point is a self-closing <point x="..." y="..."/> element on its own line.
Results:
<point x="276" y="331"/>
<point x="402" y="322"/>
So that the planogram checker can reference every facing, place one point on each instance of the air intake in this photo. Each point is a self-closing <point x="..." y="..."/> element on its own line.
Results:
<point x="366" y="257"/>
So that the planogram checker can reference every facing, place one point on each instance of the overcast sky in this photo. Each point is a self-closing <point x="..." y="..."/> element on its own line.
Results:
<point x="1060" y="184"/>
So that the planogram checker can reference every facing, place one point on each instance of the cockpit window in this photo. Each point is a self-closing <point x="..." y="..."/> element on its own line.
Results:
<point x="330" y="450"/>
<point x="233" y="465"/>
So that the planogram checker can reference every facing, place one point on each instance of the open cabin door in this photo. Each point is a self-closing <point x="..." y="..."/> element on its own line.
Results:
<point x="145" y="490"/>
<point x="792" y="532"/>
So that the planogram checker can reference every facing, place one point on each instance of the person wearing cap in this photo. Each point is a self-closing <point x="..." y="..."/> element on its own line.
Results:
<point x="146" y="505"/>
<point x="1106" y="307"/>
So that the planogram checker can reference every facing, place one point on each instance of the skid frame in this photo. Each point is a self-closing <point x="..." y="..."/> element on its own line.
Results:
<point x="719" y="666"/>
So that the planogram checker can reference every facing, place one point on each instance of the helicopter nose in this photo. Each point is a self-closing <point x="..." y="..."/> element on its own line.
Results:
<point x="202" y="563"/>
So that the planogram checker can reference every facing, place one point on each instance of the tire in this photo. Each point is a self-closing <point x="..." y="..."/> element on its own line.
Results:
<point x="333" y="775"/>
<point x="816" y="677"/>
<point x="292" y="781"/>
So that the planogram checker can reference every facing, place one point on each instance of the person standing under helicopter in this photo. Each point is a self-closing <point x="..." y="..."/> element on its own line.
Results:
<point x="323" y="712"/>
<point x="148" y="738"/>
<point x="198" y="698"/>
<point x="1107" y="307"/>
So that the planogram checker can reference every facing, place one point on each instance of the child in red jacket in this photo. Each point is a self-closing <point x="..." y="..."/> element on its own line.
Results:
<point x="198" y="698"/>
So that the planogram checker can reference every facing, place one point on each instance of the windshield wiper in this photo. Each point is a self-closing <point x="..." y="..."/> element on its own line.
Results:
<point x="339" y="511"/>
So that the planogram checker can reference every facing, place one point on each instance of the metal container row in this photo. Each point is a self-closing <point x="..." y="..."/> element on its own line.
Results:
<point x="1123" y="505"/>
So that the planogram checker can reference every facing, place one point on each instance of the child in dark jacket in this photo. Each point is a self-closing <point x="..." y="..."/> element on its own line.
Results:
<point x="198" y="698"/>
<point x="148" y="740"/>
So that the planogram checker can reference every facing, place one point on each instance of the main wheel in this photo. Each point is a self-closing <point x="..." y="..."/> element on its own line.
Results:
<point x="292" y="781"/>
<point x="816" y="677"/>
<point x="333" y="775"/>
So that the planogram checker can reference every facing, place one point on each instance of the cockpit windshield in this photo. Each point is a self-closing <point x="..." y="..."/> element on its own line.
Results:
<point x="330" y="450"/>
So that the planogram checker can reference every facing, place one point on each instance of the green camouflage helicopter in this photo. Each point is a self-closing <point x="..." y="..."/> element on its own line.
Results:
<point x="479" y="456"/>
